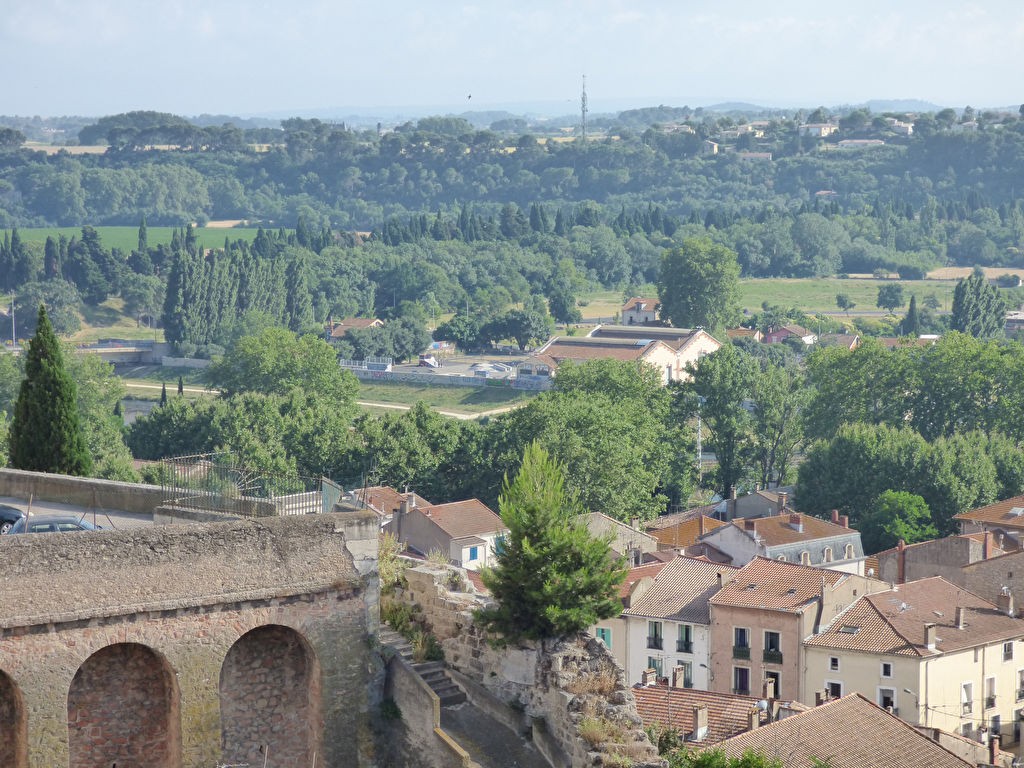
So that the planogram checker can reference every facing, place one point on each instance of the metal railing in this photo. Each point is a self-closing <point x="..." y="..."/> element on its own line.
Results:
<point x="684" y="646"/>
<point x="772" y="656"/>
<point x="654" y="642"/>
<point x="741" y="651"/>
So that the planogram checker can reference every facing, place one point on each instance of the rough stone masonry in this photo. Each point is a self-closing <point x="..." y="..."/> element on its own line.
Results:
<point x="187" y="646"/>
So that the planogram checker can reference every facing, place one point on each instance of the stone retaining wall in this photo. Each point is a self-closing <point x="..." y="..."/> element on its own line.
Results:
<point x="555" y="685"/>
<point x="81" y="491"/>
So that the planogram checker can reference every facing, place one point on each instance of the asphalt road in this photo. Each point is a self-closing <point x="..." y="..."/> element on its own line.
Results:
<point x="104" y="518"/>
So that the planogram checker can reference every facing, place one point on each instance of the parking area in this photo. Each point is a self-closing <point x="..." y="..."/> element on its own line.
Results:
<point x="108" y="519"/>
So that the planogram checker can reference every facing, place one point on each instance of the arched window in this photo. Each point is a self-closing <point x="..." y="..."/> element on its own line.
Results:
<point x="805" y="558"/>
<point x="848" y="552"/>
<point x="826" y="555"/>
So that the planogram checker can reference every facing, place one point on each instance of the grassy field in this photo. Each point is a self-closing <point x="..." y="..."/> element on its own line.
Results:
<point x="819" y="295"/>
<point x="127" y="238"/>
<point x="457" y="399"/>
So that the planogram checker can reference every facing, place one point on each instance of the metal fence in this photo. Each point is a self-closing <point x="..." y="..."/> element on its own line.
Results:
<point x="213" y="482"/>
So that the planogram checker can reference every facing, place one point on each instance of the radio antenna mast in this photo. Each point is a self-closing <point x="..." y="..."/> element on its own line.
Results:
<point x="583" y="110"/>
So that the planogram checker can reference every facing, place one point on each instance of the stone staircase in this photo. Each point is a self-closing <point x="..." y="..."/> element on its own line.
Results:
<point x="433" y="673"/>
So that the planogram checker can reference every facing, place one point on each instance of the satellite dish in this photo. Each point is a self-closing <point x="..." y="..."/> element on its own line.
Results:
<point x="763" y="705"/>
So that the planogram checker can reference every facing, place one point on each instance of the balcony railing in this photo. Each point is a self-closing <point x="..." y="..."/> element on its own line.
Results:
<point x="741" y="651"/>
<point x="990" y="702"/>
<point x="684" y="646"/>
<point x="654" y="642"/>
<point x="966" y="707"/>
<point x="772" y="656"/>
<point x="741" y="691"/>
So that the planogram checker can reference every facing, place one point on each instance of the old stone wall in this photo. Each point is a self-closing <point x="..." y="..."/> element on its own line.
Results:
<point x="84" y="492"/>
<point x="555" y="685"/>
<point x="247" y="623"/>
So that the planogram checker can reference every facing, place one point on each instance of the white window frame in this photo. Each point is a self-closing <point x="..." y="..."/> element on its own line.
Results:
<point x="828" y="687"/>
<point x="838" y="664"/>
<point x="878" y="696"/>
<point x="881" y="670"/>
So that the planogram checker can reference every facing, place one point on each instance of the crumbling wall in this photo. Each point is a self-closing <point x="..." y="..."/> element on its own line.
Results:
<point x="558" y="686"/>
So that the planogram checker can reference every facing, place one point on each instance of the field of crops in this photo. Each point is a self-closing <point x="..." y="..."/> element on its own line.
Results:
<point x="127" y="238"/>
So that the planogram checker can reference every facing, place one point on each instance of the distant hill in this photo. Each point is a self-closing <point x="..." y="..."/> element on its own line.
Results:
<point x="902" y="105"/>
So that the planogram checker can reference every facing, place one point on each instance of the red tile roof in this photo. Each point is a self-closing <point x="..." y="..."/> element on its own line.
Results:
<point x="386" y="500"/>
<point x="1001" y="513"/>
<point x="850" y="732"/>
<point x="776" y="585"/>
<point x="728" y="714"/>
<point x="462" y="519"/>
<point x="777" y="530"/>
<point x="639" y="303"/>
<point x="633" y="575"/>
<point x="893" y="622"/>
<point x="681" y="591"/>
<point x="685" y="533"/>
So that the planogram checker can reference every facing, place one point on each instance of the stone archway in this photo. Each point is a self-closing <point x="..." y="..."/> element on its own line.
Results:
<point x="123" y="710"/>
<point x="13" y="725"/>
<point x="270" y="700"/>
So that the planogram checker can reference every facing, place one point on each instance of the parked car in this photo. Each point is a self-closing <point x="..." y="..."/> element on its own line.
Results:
<point x="8" y="517"/>
<point x="52" y="524"/>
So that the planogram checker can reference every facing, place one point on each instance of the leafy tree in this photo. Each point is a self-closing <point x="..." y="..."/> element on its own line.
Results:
<point x="462" y="330"/>
<point x="46" y="433"/>
<point x="713" y="758"/>
<point x="722" y="382"/>
<point x="525" y="327"/>
<point x="890" y="297"/>
<point x="698" y="285"/>
<point x="779" y="397"/>
<point x="62" y="304"/>
<point x="552" y="578"/>
<point x="979" y="308"/>
<point x="896" y="515"/>
<point x="181" y="386"/>
<point x="844" y="303"/>
<point x="100" y="392"/>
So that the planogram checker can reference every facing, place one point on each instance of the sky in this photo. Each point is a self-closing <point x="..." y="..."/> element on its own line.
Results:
<point x="295" y="57"/>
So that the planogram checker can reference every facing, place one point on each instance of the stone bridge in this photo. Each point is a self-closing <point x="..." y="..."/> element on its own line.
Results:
<point x="189" y="646"/>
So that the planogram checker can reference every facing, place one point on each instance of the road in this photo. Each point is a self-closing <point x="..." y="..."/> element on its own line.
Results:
<point x="105" y="518"/>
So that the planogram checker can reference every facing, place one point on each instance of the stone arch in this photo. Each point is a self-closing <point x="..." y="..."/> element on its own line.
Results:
<point x="124" y="710"/>
<point x="13" y="724"/>
<point x="270" y="699"/>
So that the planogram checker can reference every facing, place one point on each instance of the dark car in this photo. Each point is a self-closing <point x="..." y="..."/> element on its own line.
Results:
<point x="8" y="517"/>
<point x="52" y="524"/>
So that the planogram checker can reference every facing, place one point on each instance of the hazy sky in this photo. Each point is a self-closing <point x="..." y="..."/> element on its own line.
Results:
<point x="96" y="57"/>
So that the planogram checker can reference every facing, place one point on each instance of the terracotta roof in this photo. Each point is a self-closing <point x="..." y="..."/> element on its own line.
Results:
<point x="685" y="533"/>
<point x="728" y="714"/>
<point x="708" y="552"/>
<point x="461" y="519"/>
<point x="640" y="303"/>
<point x="341" y="327"/>
<point x="743" y="333"/>
<point x="681" y="591"/>
<point x="778" y="530"/>
<point x="560" y="349"/>
<point x="633" y="575"/>
<point x="385" y="500"/>
<point x="850" y="732"/>
<point x="893" y="622"/>
<point x="776" y="585"/>
<point x="904" y="341"/>
<point x="664" y="521"/>
<point x="1002" y="512"/>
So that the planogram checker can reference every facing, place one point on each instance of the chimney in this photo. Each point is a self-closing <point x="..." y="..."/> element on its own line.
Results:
<point x="835" y="517"/>
<point x="1005" y="602"/>
<point x="700" y="723"/>
<point x="930" y="636"/>
<point x="648" y="677"/>
<point x="780" y="505"/>
<point x="730" y="505"/>
<point x="634" y="523"/>
<point x="753" y="719"/>
<point x="796" y="522"/>
<point x="844" y="520"/>
<point x="678" y="676"/>
<point x="719" y="575"/>
<point x="700" y="526"/>
<point x="820" y="697"/>
<point x="901" y="562"/>
<point x="959" y="617"/>
<point x="768" y="689"/>
<point x="993" y="748"/>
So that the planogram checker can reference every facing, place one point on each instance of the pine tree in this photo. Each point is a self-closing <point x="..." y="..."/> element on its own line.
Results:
<point x="163" y="394"/>
<point x="46" y="433"/>
<point x="911" y="324"/>
<point x="553" y="578"/>
<point x="181" y="386"/>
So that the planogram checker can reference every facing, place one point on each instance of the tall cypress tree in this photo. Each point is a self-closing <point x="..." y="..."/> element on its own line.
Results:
<point x="46" y="432"/>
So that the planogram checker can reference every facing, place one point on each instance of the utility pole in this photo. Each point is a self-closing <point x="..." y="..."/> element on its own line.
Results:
<point x="583" y="111"/>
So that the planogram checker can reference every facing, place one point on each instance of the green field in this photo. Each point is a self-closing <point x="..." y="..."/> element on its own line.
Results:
<point x="127" y="238"/>
<point x="819" y="294"/>
<point x="457" y="399"/>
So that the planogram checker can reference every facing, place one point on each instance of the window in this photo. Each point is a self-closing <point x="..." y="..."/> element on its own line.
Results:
<point x="995" y="725"/>
<point x="474" y="553"/>
<point x="687" y="681"/>
<point x="684" y="643"/>
<point x="740" y="643"/>
<point x="605" y="636"/>
<point x="886" y="669"/>
<point x="1020" y="684"/>
<point x="655" y="664"/>
<point x="805" y="558"/>
<point x="966" y="731"/>
<point x="654" y="636"/>
<point x="772" y="648"/>
<point x="741" y="681"/>
<point x="887" y="698"/>
<point x="990" y="692"/>
<point x="967" y="698"/>
<point x="826" y="555"/>
<point x="848" y="552"/>
<point x="833" y="663"/>
<point x="835" y="690"/>
<point x="1008" y="651"/>
<point x="776" y="678"/>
